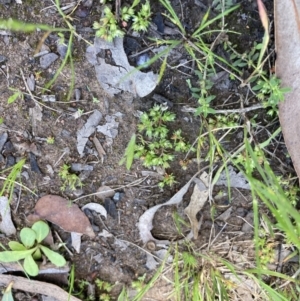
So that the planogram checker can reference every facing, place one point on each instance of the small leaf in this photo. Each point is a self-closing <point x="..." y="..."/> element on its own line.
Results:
<point x="37" y="254"/>
<point x="7" y="295"/>
<point x="13" y="98"/>
<point x="30" y="266"/>
<point x="16" y="246"/>
<point x="28" y="237"/>
<point x="54" y="257"/>
<point x="11" y="256"/>
<point x="41" y="230"/>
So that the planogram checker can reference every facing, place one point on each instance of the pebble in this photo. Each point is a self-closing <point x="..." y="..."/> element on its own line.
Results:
<point x="48" y="98"/>
<point x="159" y="22"/>
<point x="78" y="192"/>
<point x="80" y="167"/>
<point x="117" y="197"/>
<point x="8" y="148"/>
<point x="10" y="161"/>
<point x="3" y="139"/>
<point x="62" y="50"/>
<point x="2" y="58"/>
<point x="33" y="163"/>
<point x="143" y="59"/>
<point x="47" y="59"/>
<point x="111" y="208"/>
<point x="106" y="192"/>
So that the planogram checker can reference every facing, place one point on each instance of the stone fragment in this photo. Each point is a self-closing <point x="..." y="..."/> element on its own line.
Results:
<point x="47" y="59"/>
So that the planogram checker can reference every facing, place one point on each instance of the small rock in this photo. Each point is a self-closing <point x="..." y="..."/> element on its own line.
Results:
<point x="78" y="192"/>
<point x="48" y="98"/>
<point x="8" y="148"/>
<point x="3" y="139"/>
<point x="2" y="59"/>
<point x="84" y="175"/>
<point x="77" y="93"/>
<point x="159" y="22"/>
<point x="105" y="192"/>
<point x="111" y="208"/>
<point x="47" y="59"/>
<point x="117" y="197"/>
<point x="31" y="82"/>
<point x="25" y="175"/>
<point x="10" y="161"/>
<point x="142" y="60"/>
<point x="33" y="163"/>
<point x="62" y="50"/>
<point x="80" y="167"/>
<point x="66" y="134"/>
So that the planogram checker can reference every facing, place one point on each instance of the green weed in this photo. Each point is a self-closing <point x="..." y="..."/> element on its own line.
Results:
<point x="11" y="179"/>
<point x="30" y="249"/>
<point x="70" y="180"/>
<point x="108" y="28"/>
<point x="154" y="145"/>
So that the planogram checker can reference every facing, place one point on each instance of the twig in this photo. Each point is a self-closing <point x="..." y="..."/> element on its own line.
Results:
<point x="134" y="183"/>
<point x="37" y="287"/>
<point x="63" y="244"/>
<point x="240" y="111"/>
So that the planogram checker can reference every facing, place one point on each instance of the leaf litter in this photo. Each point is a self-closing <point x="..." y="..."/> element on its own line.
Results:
<point x="64" y="214"/>
<point x="6" y="225"/>
<point x="121" y="76"/>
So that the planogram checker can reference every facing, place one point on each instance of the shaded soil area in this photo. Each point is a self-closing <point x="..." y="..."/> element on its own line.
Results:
<point x="121" y="257"/>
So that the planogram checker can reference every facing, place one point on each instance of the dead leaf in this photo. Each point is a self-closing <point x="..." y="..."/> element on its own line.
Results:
<point x="99" y="148"/>
<point x="76" y="241"/>
<point x="66" y="215"/>
<point x="87" y="130"/>
<point x="287" y="39"/>
<point x="6" y="225"/>
<point x="145" y="221"/>
<point x="37" y="287"/>
<point x="117" y="78"/>
<point x="198" y="199"/>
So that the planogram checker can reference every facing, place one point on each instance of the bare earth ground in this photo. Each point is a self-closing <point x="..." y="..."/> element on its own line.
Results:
<point x="101" y="257"/>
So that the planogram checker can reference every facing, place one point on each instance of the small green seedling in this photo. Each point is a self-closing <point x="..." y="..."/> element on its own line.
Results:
<point x="15" y="96"/>
<point x="70" y="180"/>
<point x="31" y="250"/>
<point x="50" y="140"/>
<point x="154" y="145"/>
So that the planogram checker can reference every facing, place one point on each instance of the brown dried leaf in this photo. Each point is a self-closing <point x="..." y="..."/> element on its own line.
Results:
<point x="61" y="212"/>
<point x="287" y="38"/>
<point x="198" y="199"/>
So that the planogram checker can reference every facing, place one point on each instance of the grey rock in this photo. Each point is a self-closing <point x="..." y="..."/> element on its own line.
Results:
<point x="66" y="134"/>
<point x="3" y="139"/>
<point x="10" y="161"/>
<point x="121" y="77"/>
<point x="48" y="98"/>
<point x="2" y="58"/>
<point x="62" y="50"/>
<point x="111" y="208"/>
<point x="81" y="167"/>
<point x="117" y="197"/>
<point x="31" y="82"/>
<point x="47" y="59"/>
